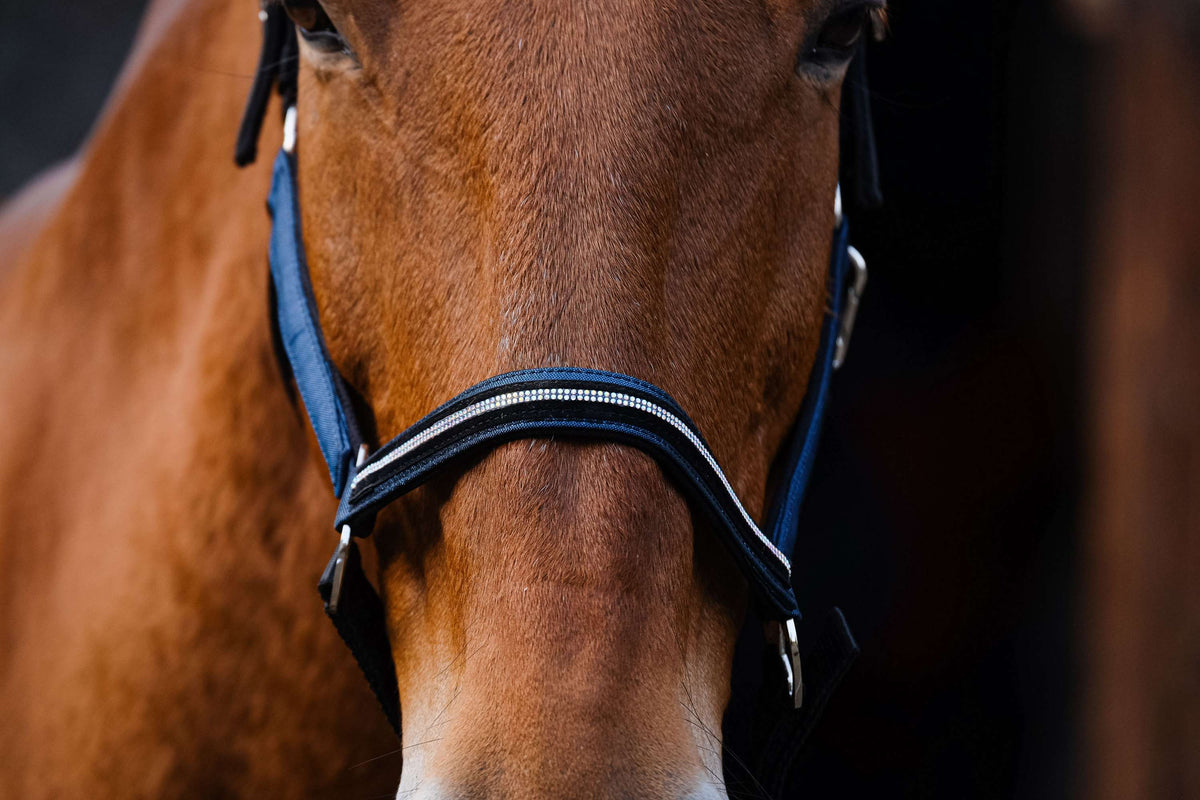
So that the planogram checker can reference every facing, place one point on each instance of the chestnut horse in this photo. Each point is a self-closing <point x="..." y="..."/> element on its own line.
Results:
<point x="485" y="186"/>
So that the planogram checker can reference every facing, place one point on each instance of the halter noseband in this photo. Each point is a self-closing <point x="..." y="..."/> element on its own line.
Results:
<point x="556" y="402"/>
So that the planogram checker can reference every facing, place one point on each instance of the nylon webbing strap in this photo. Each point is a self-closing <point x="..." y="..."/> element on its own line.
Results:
<point x="779" y="743"/>
<point x="859" y="160"/>
<point x="317" y="378"/>
<point x="361" y="623"/>
<point x="783" y="520"/>
<point x="276" y="67"/>
<point x="581" y="403"/>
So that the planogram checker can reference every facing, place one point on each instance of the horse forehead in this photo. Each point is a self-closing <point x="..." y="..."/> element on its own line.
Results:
<point x="652" y="47"/>
<point x="488" y="22"/>
<point x="589" y="184"/>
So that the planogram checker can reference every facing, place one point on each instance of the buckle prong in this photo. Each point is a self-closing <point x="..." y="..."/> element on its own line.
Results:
<point x="339" y="568"/>
<point x="343" y="550"/>
<point x="289" y="130"/>
<point x="788" y="646"/>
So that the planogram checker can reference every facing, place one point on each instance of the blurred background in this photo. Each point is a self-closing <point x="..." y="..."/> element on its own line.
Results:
<point x="1007" y="503"/>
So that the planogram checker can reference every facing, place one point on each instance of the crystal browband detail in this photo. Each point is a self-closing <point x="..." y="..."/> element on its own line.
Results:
<point x="552" y="395"/>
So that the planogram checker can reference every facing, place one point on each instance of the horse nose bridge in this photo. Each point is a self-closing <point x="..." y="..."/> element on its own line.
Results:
<point x="581" y="563"/>
<point x="582" y="263"/>
<point x="580" y="672"/>
<point x="606" y="506"/>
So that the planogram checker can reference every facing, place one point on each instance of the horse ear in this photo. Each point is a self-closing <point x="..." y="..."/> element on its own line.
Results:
<point x="859" y="163"/>
<point x="278" y="63"/>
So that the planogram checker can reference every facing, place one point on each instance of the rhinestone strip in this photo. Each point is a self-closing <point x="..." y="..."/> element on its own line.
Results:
<point x="565" y="395"/>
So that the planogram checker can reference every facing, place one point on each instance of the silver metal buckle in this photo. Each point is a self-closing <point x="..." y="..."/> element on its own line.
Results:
<point x="289" y="130"/>
<point x="789" y="655"/>
<point x="339" y="569"/>
<point x="343" y="549"/>
<point x="854" y="295"/>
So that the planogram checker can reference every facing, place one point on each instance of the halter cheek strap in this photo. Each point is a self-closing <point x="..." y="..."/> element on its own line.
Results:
<point x="320" y="383"/>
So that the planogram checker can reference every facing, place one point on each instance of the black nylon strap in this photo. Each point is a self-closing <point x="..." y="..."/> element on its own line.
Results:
<point x="360" y="622"/>
<point x="277" y="64"/>
<point x="859" y="161"/>
<point x="783" y="731"/>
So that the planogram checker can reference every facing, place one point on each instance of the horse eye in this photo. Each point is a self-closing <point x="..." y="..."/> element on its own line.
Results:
<point x="308" y="15"/>
<point x="840" y="35"/>
<point x="315" y="25"/>
<point x="843" y="31"/>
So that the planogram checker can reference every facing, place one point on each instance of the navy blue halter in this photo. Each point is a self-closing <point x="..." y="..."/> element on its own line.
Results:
<point x="560" y="402"/>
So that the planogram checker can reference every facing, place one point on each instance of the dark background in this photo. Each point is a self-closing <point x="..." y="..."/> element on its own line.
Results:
<point x="946" y="509"/>
<point x="944" y="517"/>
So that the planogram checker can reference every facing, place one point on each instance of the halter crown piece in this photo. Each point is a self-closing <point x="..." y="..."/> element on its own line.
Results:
<point x="555" y="402"/>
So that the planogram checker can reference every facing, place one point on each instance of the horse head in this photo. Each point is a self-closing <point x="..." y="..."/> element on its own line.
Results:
<point x="644" y="188"/>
